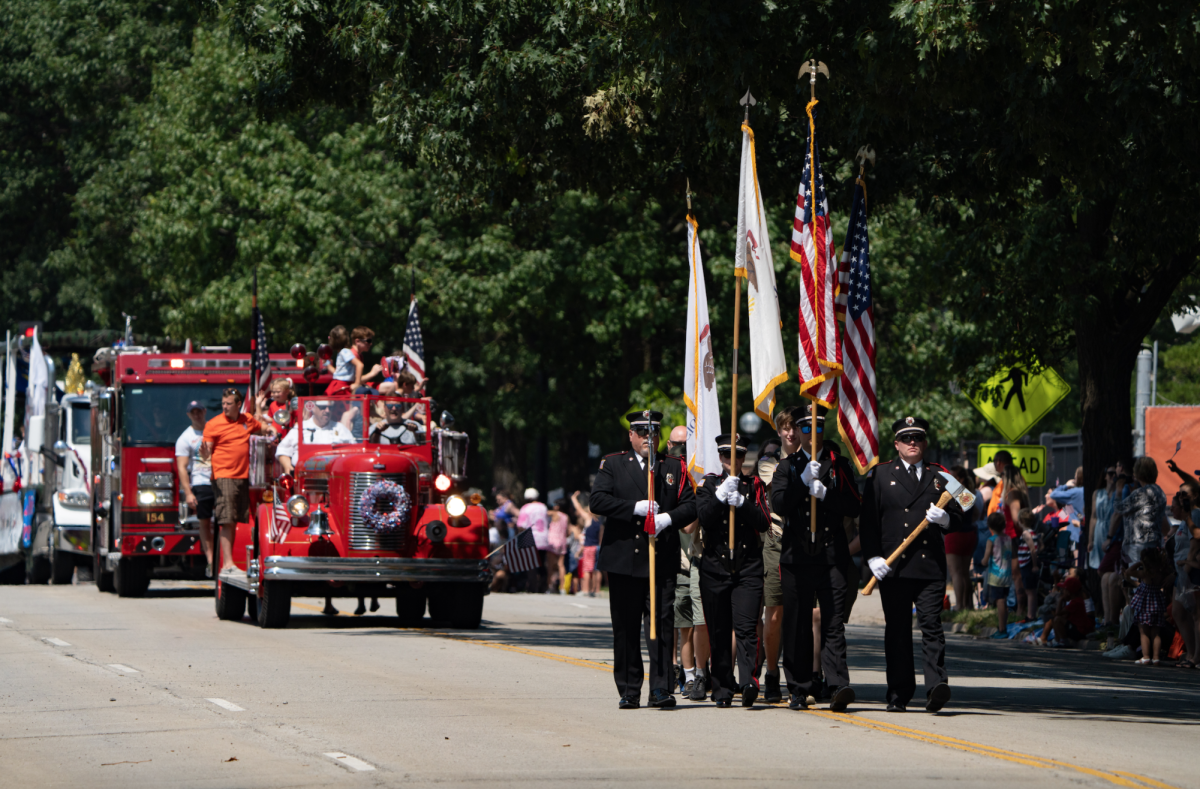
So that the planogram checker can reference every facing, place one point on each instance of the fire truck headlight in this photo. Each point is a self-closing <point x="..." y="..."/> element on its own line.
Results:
<point x="155" y="498"/>
<point x="442" y="483"/>
<point x="297" y="506"/>
<point x="455" y="506"/>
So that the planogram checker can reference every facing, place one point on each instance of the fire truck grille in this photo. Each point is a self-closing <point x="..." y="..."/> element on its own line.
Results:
<point x="363" y="537"/>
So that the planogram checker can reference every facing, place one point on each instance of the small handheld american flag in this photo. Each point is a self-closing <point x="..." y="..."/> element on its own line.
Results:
<point x="520" y="553"/>
<point x="260" y="358"/>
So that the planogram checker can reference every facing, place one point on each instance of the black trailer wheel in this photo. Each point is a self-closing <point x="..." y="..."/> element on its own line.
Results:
<point x="102" y="578"/>
<point x="466" y="612"/>
<point x="131" y="578"/>
<point x="37" y="569"/>
<point x="13" y="575"/>
<point x="410" y="605"/>
<point x="275" y="606"/>
<point x="62" y="567"/>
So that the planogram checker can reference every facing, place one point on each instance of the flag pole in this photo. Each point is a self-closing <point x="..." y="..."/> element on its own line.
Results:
<point x="814" y="67"/>
<point x="652" y="440"/>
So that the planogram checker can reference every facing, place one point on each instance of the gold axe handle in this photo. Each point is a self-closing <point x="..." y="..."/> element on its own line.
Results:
<point x="942" y="502"/>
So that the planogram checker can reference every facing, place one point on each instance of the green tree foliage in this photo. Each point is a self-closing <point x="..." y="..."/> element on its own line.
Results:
<point x="69" y="72"/>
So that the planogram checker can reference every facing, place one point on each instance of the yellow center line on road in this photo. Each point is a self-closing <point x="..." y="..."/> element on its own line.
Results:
<point x="1117" y="777"/>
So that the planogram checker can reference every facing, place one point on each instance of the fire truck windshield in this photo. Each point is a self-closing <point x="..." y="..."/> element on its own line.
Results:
<point x="156" y="415"/>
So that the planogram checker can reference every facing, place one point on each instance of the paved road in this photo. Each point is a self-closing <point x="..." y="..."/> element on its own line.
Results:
<point x="97" y="691"/>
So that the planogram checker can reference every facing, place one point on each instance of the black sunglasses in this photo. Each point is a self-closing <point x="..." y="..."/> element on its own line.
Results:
<point x="911" y="439"/>
<point x="320" y="407"/>
<point x="725" y="453"/>
<point x="807" y="429"/>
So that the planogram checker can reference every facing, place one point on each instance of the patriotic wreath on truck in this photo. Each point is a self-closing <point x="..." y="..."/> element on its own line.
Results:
<point x="385" y="506"/>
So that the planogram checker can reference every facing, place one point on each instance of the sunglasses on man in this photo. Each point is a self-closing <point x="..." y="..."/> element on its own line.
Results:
<point x="807" y="429"/>
<point x="641" y="432"/>
<point x="911" y="439"/>
<point x="725" y="453"/>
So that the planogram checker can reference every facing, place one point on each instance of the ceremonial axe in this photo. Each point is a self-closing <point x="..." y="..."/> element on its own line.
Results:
<point x="954" y="490"/>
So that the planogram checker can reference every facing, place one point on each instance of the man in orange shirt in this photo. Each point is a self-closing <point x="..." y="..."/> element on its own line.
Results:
<point x="226" y="441"/>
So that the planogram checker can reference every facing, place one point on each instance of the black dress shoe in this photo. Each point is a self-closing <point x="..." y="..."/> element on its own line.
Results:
<point x="895" y="706"/>
<point x="698" y="693"/>
<point x="938" y="697"/>
<point x="842" y="698"/>
<point x="724" y="702"/>
<point x="661" y="699"/>
<point x="772" y="694"/>
<point x="749" y="694"/>
<point x="628" y="703"/>
<point x="798" y="702"/>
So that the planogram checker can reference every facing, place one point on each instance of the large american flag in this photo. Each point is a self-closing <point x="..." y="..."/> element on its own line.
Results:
<point x="858" y="408"/>
<point x="520" y="553"/>
<point x="260" y="359"/>
<point x="813" y="248"/>
<point x="414" y="346"/>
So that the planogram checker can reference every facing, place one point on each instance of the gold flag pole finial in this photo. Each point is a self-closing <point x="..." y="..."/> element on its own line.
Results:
<point x="865" y="154"/>
<point x="813" y="67"/>
<point x="689" y="195"/>
<point x="747" y="101"/>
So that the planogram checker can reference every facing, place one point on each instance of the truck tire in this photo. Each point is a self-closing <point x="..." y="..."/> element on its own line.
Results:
<point x="466" y="611"/>
<point x="230" y="602"/>
<point x="131" y="578"/>
<point x="275" y="606"/>
<point x="252" y="606"/>
<point x="62" y="567"/>
<point x="102" y="578"/>
<point x="37" y="570"/>
<point x="410" y="605"/>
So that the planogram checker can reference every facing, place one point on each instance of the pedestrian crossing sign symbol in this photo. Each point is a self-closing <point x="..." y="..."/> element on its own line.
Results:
<point x="1023" y="399"/>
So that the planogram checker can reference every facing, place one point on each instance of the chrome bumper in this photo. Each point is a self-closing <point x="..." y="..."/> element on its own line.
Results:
<point x="378" y="570"/>
<point x="73" y="539"/>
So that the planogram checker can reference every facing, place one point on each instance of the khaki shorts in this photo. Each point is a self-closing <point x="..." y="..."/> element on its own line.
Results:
<point x="689" y="611"/>
<point x="772" y="585"/>
<point x="233" y="501"/>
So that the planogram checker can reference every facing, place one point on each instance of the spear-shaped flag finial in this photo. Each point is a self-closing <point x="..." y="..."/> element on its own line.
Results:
<point x="748" y="101"/>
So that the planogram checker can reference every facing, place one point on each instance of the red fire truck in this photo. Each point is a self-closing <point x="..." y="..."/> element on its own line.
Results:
<point x="139" y="529"/>
<point x="371" y="509"/>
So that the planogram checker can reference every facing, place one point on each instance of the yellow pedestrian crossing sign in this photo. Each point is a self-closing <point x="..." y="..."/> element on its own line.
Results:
<point x="1024" y="399"/>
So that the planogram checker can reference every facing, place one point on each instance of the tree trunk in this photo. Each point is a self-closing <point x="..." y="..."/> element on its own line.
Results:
<point x="508" y="460"/>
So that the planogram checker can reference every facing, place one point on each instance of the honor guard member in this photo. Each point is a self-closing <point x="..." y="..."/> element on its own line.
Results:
<point x="898" y="496"/>
<point x="816" y="568"/>
<point x="732" y="588"/>
<point x="620" y="495"/>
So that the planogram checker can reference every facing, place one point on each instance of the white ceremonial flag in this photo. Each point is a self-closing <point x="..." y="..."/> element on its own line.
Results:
<point x="768" y="367"/>
<point x="699" y="371"/>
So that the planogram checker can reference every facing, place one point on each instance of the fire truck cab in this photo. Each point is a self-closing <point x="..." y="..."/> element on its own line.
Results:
<point x="372" y="509"/>
<point x="138" y="529"/>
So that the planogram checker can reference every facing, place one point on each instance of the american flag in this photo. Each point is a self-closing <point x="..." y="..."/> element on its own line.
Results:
<point x="414" y="346"/>
<point x="281" y="522"/>
<point x="813" y="248"/>
<point x="858" y="409"/>
<point x="260" y="359"/>
<point x="520" y="553"/>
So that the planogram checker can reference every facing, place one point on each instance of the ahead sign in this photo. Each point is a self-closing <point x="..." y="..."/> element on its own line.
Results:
<point x="1029" y="458"/>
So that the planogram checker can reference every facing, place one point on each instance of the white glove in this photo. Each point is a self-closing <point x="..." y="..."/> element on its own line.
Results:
<point x="811" y="471"/>
<point x="879" y="568"/>
<point x="817" y="488"/>
<point x="642" y="508"/>
<point x="661" y="522"/>
<point x="736" y="499"/>
<point x="726" y="488"/>
<point x="936" y="514"/>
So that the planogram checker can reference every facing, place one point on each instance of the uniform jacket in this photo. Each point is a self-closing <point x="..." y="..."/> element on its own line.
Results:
<point x="892" y="508"/>
<point x="790" y="499"/>
<point x="750" y="519"/>
<point x="621" y="484"/>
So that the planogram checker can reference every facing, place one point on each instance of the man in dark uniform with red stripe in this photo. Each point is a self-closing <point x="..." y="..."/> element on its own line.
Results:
<point x="731" y="588"/>
<point x="620" y="495"/>
<point x="816" y="568"/>
<point x="898" y="496"/>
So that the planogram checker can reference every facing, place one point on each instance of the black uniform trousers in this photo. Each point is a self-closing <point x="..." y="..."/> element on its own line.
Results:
<point x="731" y="606"/>
<point x="629" y="605"/>
<point x="801" y="584"/>
<point x="899" y="596"/>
